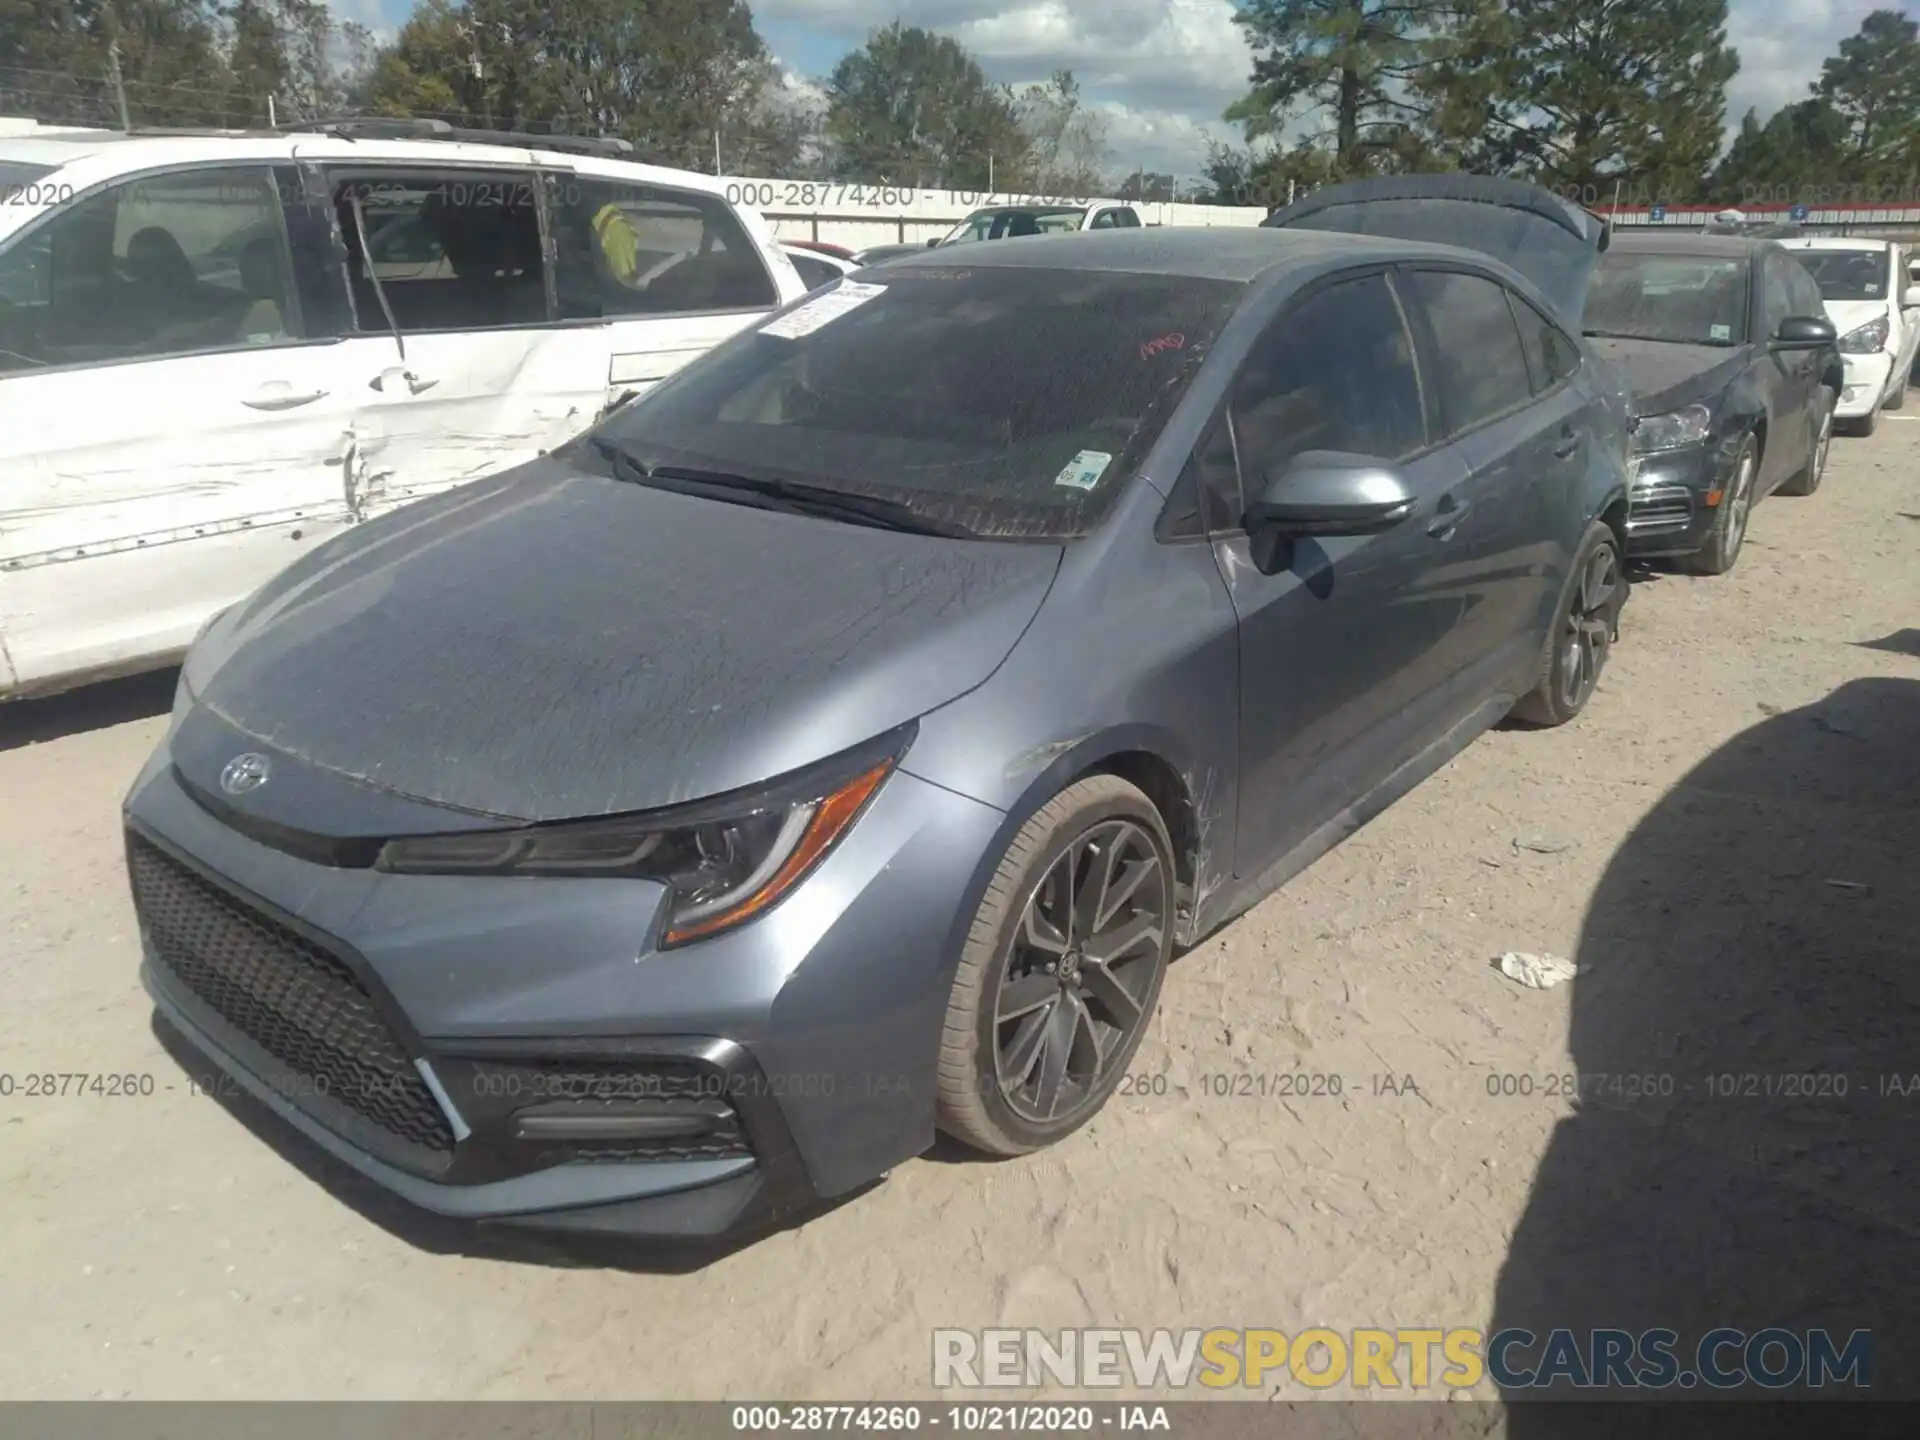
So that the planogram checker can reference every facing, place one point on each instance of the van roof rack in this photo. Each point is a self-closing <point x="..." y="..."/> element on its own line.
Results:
<point x="386" y="127"/>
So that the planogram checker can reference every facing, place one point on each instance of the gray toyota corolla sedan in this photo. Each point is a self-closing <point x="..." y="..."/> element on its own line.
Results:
<point x="838" y="743"/>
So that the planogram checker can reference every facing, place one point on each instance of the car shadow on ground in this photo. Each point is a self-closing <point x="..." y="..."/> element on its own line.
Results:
<point x="1746" y="1036"/>
<point x="441" y="1235"/>
<point x="93" y="707"/>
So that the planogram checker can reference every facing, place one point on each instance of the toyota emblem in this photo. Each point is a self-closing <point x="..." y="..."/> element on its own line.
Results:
<point x="245" y="773"/>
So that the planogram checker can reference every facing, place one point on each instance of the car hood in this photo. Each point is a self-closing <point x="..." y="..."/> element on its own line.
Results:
<point x="1548" y="239"/>
<point x="552" y="644"/>
<point x="1663" y="376"/>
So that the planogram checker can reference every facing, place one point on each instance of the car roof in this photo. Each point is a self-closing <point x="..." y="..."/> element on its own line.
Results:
<point x="138" y="150"/>
<point x="1688" y="242"/>
<point x="1240" y="253"/>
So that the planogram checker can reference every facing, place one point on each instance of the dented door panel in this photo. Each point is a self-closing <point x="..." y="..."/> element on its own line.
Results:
<point x="141" y="497"/>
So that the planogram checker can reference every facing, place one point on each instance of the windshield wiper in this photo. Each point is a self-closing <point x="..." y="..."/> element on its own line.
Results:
<point x="791" y="495"/>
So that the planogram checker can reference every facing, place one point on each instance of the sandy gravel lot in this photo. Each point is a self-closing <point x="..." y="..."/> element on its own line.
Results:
<point x="1754" y="740"/>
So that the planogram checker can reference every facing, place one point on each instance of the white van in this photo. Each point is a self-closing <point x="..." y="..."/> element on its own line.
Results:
<point x="202" y="376"/>
<point x="1874" y="302"/>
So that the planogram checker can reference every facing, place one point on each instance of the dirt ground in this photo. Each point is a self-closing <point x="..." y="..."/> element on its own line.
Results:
<point x="1753" y="742"/>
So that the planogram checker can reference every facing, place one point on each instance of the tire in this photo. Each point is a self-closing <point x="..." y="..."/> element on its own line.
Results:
<point x="1808" y="480"/>
<point x="1722" y="550"/>
<point x="1099" y="821"/>
<point x="1584" y="629"/>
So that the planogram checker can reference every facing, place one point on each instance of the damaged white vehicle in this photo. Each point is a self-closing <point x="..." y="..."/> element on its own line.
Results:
<point x="203" y="375"/>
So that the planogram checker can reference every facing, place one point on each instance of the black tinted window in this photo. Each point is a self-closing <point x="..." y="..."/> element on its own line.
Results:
<point x="1551" y="356"/>
<point x="1333" y="373"/>
<point x="456" y="250"/>
<point x="1483" y="369"/>
<point x="1011" y="400"/>
<point x="636" y="250"/>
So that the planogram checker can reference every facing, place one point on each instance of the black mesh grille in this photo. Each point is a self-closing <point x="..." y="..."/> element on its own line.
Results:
<point x="621" y="1085"/>
<point x="289" y="996"/>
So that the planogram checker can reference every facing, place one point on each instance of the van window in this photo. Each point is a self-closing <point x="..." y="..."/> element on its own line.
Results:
<point x="170" y="264"/>
<point x="639" y="250"/>
<point x="452" y="250"/>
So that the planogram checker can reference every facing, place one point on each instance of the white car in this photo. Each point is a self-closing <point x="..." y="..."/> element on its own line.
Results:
<point x="1874" y="302"/>
<point x="1003" y="222"/>
<point x="202" y="377"/>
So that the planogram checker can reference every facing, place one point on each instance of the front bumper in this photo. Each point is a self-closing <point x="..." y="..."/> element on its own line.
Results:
<point x="1667" y="501"/>
<point x="448" y="1037"/>
<point x="1866" y="385"/>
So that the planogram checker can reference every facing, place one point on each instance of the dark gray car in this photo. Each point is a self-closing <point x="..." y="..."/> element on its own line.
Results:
<point x="1735" y="370"/>
<point x="839" y="742"/>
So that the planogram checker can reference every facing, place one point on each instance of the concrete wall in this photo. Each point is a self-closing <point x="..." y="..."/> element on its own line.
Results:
<point x="861" y="215"/>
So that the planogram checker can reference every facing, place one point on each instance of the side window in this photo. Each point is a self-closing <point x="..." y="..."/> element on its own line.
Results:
<point x="1127" y="218"/>
<point x="1106" y="220"/>
<point x="1483" y="368"/>
<point x="638" y="250"/>
<point x="1776" y="288"/>
<point x="1551" y="356"/>
<point x="1335" y="372"/>
<point x="451" y="250"/>
<point x="1806" y="294"/>
<point x="169" y="264"/>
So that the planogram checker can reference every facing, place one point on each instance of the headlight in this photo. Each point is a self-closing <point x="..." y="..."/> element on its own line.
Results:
<point x="725" y="860"/>
<point x="1671" y="431"/>
<point x="1869" y="339"/>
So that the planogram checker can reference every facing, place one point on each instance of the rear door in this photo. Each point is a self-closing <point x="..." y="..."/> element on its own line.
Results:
<point x="465" y="370"/>
<point x="1518" y="450"/>
<point x="1341" y="641"/>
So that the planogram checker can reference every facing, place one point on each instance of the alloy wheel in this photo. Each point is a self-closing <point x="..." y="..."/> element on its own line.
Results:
<point x="1079" y="972"/>
<point x="1739" y="505"/>
<point x="1589" y="629"/>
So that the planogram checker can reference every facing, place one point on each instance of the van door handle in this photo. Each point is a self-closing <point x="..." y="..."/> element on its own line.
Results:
<point x="1568" y="443"/>
<point x="1448" y="518"/>
<point x="396" y="378"/>
<point x="279" y="395"/>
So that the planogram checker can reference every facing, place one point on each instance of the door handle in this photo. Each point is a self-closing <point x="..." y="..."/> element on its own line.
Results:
<point x="1568" y="443"/>
<point x="1448" y="517"/>
<point x="279" y="395"/>
<point x="396" y="377"/>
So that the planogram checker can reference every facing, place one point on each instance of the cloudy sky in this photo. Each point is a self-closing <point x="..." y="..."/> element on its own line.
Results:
<point x="1163" y="70"/>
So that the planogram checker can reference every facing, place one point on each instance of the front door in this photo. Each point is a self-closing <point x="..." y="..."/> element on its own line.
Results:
<point x="169" y="417"/>
<point x="1338" y="638"/>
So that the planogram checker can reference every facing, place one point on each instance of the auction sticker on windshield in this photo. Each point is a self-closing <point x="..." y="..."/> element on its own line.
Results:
<point x="822" y="310"/>
<point x="1083" y="472"/>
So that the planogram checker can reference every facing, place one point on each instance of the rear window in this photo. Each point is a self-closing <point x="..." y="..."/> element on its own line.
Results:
<point x="1009" y="400"/>
<point x="18" y="175"/>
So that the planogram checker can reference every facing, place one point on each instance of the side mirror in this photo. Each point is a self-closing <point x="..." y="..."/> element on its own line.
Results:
<point x="1911" y="300"/>
<point x="1329" y="492"/>
<point x="1803" y="332"/>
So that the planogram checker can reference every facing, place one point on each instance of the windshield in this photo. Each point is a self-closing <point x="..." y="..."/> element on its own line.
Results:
<point x="15" y="174"/>
<point x="1011" y="401"/>
<point x="1005" y="224"/>
<point x="1684" y="299"/>
<point x="1847" y="274"/>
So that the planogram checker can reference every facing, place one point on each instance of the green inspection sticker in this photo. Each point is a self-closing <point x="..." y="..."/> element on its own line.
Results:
<point x="1083" y="472"/>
